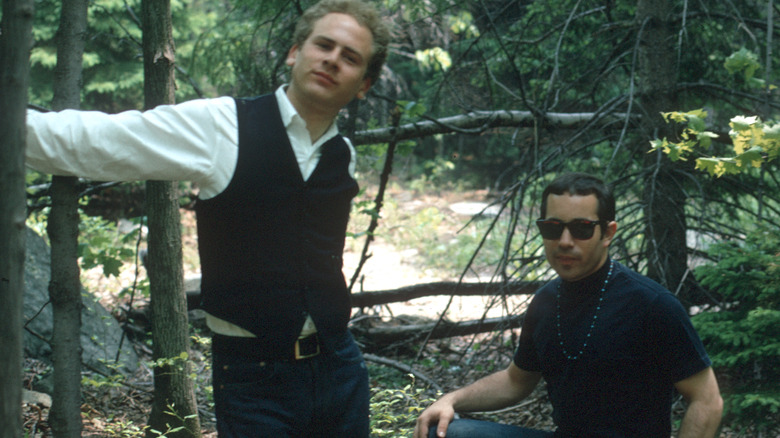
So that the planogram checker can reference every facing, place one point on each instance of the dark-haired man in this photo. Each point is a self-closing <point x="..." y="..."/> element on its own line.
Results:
<point x="611" y="344"/>
<point x="276" y="183"/>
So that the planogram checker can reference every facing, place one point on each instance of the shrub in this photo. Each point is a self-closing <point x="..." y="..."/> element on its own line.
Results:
<point x="394" y="410"/>
<point x="743" y="334"/>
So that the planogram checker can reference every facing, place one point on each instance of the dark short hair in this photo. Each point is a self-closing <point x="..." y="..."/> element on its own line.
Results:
<point x="365" y="13"/>
<point x="583" y="184"/>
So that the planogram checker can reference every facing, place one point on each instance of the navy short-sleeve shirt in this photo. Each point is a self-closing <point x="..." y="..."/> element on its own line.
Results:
<point x="640" y="344"/>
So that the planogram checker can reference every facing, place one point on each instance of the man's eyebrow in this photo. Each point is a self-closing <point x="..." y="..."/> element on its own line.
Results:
<point x="553" y="218"/>
<point x="349" y="49"/>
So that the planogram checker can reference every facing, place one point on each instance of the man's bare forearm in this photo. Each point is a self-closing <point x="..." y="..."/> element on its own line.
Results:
<point x="701" y="420"/>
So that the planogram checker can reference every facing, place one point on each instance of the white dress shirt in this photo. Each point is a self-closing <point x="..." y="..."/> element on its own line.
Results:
<point x="192" y="141"/>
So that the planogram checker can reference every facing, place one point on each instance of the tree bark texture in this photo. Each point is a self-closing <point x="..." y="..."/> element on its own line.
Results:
<point x="174" y="404"/>
<point x="664" y="197"/>
<point x="63" y="230"/>
<point x="65" y="295"/>
<point x="173" y="388"/>
<point x="15" y="44"/>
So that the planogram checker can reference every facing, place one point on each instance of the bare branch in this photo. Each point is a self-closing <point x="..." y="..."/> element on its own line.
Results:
<point x="478" y="122"/>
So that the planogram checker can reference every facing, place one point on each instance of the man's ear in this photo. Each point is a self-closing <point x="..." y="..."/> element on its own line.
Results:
<point x="361" y="94"/>
<point x="292" y="55"/>
<point x="609" y="234"/>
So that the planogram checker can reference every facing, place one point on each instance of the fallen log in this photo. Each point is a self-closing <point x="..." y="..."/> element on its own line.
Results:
<point x="447" y="288"/>
<point x="444" y="329"/>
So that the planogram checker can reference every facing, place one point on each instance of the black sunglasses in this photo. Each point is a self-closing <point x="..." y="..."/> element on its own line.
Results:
<point x="580" y="229"/>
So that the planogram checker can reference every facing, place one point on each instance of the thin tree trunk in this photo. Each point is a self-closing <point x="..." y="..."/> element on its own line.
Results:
<point x="174" y="403"/>
<point x="664" y="198"/>
<point x="65" y="295"/>
<point x="15" y="43"/>
<point x="63" y="229"/>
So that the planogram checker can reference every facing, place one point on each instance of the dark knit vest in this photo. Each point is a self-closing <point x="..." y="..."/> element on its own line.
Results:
<point x="271" y="243"/>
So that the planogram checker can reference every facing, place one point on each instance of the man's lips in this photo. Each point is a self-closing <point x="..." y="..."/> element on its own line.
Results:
<point x="566" y="259"/>
<point x="325" y="77"/>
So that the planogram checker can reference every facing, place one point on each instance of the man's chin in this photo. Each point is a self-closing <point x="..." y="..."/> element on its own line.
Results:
<point x="568" y="271"/>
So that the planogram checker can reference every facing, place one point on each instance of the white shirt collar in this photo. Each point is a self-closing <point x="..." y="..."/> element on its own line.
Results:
<point x="290" y="114"/>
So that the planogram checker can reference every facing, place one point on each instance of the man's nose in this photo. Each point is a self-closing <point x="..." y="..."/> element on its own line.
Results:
<point x="332" y="58"/>
<point x="566" y="240"/>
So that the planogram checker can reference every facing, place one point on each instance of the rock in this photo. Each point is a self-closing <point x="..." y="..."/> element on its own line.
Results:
<point x="36" y="398"/>
<point x="100" y="332"/>
<point x="475" y="209"/>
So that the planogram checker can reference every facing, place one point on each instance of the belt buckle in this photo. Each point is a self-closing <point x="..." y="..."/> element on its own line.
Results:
<point x="299" y="355"/>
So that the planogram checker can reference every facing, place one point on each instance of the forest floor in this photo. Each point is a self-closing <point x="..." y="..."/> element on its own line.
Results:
<point x="119" y="407"/>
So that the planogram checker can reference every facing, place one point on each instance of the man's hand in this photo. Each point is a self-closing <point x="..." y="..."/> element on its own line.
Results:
<point x="441" y="412"/>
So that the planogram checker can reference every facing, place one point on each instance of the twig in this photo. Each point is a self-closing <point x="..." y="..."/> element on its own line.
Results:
<point x="403" y="367"/>
<point x="379" y="199"/>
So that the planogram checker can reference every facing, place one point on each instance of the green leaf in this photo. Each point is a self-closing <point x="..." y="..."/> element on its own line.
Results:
<point x="743" y="123"/>
<point x="111" y="266"/>
<point x="743" y="61"/>
<point x="751" y="157"/>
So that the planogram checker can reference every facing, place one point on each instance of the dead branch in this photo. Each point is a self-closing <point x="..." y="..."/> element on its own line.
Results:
<point x="375" y="298"/>
<point x="478" y="122"/>
<point x="444" y="329"/>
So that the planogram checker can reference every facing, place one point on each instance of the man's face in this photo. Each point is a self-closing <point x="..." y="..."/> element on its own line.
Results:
<point x="575" y="259"/>
<point x="329" y="69"/>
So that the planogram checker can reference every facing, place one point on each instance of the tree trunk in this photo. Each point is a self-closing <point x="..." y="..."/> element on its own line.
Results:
<point x="173" y="388"/>
<point x="174" y="404"/>
<point x="63" y="229"/>
<point x="15" y="43"/>
<point x="664" y="198"/>
<point x="65" y="295"/>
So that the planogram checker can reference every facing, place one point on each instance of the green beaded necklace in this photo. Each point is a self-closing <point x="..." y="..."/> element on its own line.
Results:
<point x="592" y="323"/>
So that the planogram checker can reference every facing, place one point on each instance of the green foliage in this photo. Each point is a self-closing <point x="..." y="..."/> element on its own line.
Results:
<point x="113" y="72"/>
<point x="113" y="62"/>
<point x="463" y="24"/>
<point x="746" y="63"/>
<point x="755" y="142"/>
<point x="171" y="410"/>
<point x="100" y="244"/>
<point x="395" y="411"/>
<point x="434" y="172"/>
<point x="121" y="428"/>
<point x="434" y="58"/>
<point x="177" y="362"/>
<point x="114" y="380"/>
<point x="743" y="337"/>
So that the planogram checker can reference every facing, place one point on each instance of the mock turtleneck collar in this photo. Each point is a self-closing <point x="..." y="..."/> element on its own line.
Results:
<point x="589" y="285"/>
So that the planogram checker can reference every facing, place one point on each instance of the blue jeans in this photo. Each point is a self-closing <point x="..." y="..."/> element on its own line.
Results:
<point x="486" y="429"/>
<point x="323" y="396"/>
